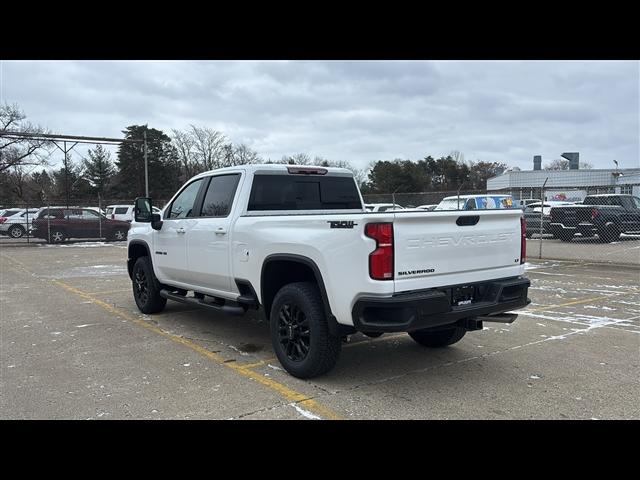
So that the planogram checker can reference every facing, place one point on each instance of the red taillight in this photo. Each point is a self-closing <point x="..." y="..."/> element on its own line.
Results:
<point x="3" y="219"/>
<point x="381" y="259"/>
<point x="594" y="213"/>
<point x="523" y="240"/>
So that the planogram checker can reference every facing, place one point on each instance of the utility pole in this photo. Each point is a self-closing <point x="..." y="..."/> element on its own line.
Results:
<point x="146" y="167"/>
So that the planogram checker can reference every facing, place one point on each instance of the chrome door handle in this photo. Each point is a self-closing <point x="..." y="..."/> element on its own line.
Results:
<point x="181" y="230"/>
<point x="220" y="231"/>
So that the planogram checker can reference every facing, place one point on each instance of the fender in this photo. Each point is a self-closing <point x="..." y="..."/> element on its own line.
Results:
<point x="130" y="261"/>
<point x="334" y="327"/>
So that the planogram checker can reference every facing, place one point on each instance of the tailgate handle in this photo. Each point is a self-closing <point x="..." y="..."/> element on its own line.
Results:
<point x="467" y="220"/>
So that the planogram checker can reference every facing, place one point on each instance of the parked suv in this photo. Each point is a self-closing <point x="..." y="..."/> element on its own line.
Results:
<point x="59" y="224"/>
<point x="17" y="223"/>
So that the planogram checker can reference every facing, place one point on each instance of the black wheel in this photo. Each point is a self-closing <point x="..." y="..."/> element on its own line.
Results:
<point x="300" y="333"/>
<point x="146" y="288"/>
<point x="438" y="338"/>
<point x="565" y="237"/>
<point x="118" y="235"/>
<point x="609" y="233"/>
<point x="57" y="236"/>
<point x="16" y="231"/>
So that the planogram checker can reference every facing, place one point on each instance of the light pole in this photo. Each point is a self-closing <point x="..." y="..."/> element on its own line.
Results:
<point x="146" y="168"/>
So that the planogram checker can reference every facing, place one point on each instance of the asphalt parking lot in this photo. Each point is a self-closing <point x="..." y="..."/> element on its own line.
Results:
<point x="74" y="346"/>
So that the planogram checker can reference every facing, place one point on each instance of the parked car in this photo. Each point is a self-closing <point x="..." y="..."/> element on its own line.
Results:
<point x="607" y="215"/>
<point x="476" y="202"/>
<point x="123" y="212"/>
<point x="382" y="207"/>
<point x="295" y="243"/>
<point x="532" y="216"/>
<point x="427" y="207"/>
<point x="17" y="223"/>
<point x="59" y="224"/>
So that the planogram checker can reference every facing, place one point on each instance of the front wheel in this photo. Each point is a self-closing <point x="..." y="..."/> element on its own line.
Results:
<point x="300" y="332"/>
<point x="438" y="338"/>
<point x="146" y="288"/>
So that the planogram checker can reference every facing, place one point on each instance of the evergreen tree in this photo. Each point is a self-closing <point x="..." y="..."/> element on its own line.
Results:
<point x="163" y="166"/>
<point x="98" y="170"/>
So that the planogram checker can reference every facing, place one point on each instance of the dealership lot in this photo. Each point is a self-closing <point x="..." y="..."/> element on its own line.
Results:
<point x="74" y="345"/>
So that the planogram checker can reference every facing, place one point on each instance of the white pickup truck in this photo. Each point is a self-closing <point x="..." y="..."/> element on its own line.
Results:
<point x="296" y="243"/>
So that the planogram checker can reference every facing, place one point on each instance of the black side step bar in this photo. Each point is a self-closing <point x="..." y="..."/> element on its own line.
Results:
<point x="230" y="309"/>
<point x="500" y="317"/>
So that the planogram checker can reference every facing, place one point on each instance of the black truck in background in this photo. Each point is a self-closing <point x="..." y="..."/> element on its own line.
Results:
<point x="607" y="216"/>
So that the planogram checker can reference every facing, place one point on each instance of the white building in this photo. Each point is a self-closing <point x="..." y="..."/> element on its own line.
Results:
<point x="572" y="185"/>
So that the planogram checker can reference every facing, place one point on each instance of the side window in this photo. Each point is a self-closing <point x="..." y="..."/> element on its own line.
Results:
<point x="182" y="206"/>
<point x="471" y="204"/>
<point x="90" y="215"/>
<point x="219" y="197"/>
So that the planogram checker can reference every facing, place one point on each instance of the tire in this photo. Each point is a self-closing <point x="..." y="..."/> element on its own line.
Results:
<point x="609" y="233"/>
<point x="57" y="236"/>
<point x="300" y="332"/>
<point x="16" y="231"/>
<point x="118" y="235"/>
<point x="438" y="338"/>
<point x="146" y="288"/>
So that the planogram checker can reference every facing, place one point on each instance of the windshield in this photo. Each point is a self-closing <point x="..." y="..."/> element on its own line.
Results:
<point x="450" y="204"/>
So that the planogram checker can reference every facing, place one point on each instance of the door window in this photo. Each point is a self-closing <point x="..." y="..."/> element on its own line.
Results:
<point x="183" y="205"/>
<point x="219" y="197"/>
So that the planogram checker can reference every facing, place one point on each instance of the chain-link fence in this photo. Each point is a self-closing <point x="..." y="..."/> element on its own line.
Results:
<point x="56" y="221"/>
<point x="562" y="228"/>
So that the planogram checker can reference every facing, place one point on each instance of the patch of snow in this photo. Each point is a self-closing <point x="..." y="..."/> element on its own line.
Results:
<point x="304" y="412"/>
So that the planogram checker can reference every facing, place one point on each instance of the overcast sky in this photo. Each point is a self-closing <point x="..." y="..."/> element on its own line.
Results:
<point x="358" y="111"/>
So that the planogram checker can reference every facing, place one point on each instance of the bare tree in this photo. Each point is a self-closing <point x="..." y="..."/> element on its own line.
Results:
<point x="561" y="164"/>
<point x="20" y="151"/>
<point x="243" y="155"/>
<point x="208" y="147"/>
<point x="297" y="159"/>
<point x="184" y="143"/>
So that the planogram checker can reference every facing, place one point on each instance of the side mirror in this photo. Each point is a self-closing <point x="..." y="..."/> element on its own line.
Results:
<point x="156" y="221"/>
<point x="142" y="210"/>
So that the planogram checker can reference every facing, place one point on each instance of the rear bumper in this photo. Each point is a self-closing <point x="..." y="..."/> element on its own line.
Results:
<point x="410" y="311"/>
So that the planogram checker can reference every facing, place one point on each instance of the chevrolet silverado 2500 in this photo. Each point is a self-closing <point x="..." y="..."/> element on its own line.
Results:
<point x="296" y="243"/>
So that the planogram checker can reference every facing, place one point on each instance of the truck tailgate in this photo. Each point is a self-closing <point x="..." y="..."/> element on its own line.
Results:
<point x="443" y="248"/>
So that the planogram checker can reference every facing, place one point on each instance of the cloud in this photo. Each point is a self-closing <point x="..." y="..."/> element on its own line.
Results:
<point x="360" y="111"/>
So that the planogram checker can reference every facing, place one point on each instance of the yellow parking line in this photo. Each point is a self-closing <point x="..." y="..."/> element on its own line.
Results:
<point x="244" y="370"/>
<point x="109" y="291"/>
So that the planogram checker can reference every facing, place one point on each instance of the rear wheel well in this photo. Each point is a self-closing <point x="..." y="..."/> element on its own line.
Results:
<point x="136" y="250"/>
<point x="278" y="273"/>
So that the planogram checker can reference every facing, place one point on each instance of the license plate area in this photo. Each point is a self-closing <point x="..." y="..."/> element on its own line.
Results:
<point x="463" y="295"/>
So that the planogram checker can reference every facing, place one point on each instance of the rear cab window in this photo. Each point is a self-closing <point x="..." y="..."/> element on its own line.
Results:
<point x="121" y="210"/>
<point x="303" y="192"/>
